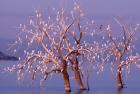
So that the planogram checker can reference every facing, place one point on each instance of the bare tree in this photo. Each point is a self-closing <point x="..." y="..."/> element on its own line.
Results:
<point x="121" y="49"/>
<point x="52" y="47"/>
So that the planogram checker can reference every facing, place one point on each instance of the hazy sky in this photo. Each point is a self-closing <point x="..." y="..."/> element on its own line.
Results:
<point x="13" y="12"/>
<point x="92" y="6"/>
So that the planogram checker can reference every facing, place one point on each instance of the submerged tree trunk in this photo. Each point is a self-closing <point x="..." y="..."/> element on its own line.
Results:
<point x="77" y="74"/>
<point x="119" y="78"/>
<point x="65" y="76"/>
<point x="119" y="71"/>
<point x="66" y="81"/>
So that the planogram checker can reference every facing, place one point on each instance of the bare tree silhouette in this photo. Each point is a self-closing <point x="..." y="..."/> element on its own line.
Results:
<point x="122" y="49"/>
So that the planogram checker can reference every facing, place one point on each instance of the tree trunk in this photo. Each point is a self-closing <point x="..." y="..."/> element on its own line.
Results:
<point x="65" y="76"/>
<point x="77" y="74"/>
<point x="119" y="79"/>
<point x="66" y="81"/>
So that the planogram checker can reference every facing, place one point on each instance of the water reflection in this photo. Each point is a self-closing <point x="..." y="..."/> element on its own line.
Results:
<point x="80" y="92"/>
<point x="77" y="92"/>
<point x="38" y="90"/>
<point x="47" y="91"/>
<point x="119" y="91"/>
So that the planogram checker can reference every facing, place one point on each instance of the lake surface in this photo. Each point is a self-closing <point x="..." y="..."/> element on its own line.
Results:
<point x="103" y="83"/>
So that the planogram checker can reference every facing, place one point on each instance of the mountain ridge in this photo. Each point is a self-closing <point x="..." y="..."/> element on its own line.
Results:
<point x="7" y="57"/>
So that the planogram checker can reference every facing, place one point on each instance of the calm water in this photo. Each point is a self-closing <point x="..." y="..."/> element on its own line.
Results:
<point x="102" y="84"/>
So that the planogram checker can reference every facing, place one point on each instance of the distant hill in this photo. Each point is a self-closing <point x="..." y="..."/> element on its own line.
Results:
<point x="7" y="57"/>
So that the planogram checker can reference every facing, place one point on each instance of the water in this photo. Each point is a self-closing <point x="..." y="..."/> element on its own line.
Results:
<point x="38" y="90"/>
<point x="103" y="83"/>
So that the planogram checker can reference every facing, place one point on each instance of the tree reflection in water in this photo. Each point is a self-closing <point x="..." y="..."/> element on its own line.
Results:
<point x="77" y="92"/>
<point x="119" y="91"/>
